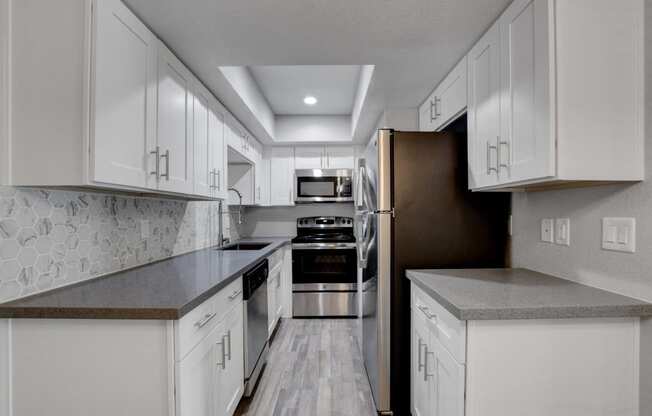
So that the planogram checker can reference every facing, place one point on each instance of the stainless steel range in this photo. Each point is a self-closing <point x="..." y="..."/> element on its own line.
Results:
<point x="324" y="268"/>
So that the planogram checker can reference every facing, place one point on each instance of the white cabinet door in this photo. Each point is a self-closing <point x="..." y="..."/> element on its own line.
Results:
<point x="196" y="384"/>
<point x="427" y="114"/>
<point x="452" y="95"/>
<point x="272" y="298"/>
<point x="230" y="368"/>
<point x="484" y="109"/>
<point x="447" y="388"/>
<point x="174" y="124"/>
<point x="421" y="396"/>
<point x="203" y="175"/>
<point x="217" y="151"/>
<point x="286" y="283"/>
<point x="125" y="98"/>
<point x="339" y="157"/>
<point x="281" y="176"/>
<point x="309" y="157"/>
<point x="526" y="146"/>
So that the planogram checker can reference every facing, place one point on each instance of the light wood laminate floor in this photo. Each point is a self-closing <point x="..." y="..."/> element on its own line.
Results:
<point x="314" y="369"/>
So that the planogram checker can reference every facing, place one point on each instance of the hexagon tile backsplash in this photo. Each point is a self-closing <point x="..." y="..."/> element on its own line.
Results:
<point x="53" y="238"/>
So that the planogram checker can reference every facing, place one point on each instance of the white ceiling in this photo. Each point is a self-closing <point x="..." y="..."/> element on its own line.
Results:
<point x="285" y="87"/>
<point x="413" y="43"/>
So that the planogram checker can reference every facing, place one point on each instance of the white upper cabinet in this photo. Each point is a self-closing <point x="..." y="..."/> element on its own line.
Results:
<point x="526" y="146"/>
<point x="122" y="113"/>
<point x="217" y="152"/>
<point x="309" y="157"/>
<point x="175" y="135"/>
<point x="483" y="116"/>
<point x="339" y="157"/>
<point x="324" y="157"/>
<point x="447" y="102"/>
<point x="281" y="176"/>
<point x="204" y="179"/>
<point x="570" y="96"/>
<point x="125" y="97"/>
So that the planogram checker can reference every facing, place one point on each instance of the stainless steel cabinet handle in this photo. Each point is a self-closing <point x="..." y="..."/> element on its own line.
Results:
<point x="228" y="335"/>
<point x="235" y="294"/>
<point x="421" y="365"/>
<point x="432" y="112"/>
<point x="167" y="165"/>
<point x="157" y="168"/>
<point x="223" y="363"/>
<point x="424" y="309"/>
<point x="426" y="376"/>
<point x="489" y="167"/>
<point x="205" y="320"/>
<point x="437" y="113"/>
<point x="219" y="180"/>
<point x="509" y="161"/>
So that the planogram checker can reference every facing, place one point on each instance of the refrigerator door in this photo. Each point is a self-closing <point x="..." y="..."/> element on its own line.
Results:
<point x="376" y="251"/>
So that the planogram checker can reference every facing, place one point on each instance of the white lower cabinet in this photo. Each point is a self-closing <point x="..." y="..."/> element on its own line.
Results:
<point x="275" y="296"/>
<point x="230" y="366"/>
<point x="534" y="367"/>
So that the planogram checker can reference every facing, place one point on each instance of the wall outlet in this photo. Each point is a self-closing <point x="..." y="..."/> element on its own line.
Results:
<point x="562" y="231"/>
<point x="547" y="233"/>
<point x="144" y="229"/>
<point x="619" y="234"/>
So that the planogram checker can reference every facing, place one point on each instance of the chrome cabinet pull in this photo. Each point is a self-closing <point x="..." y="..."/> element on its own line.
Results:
<point x="228" y="335"/>
<point x="437" y="113"/>
<point x="489" y="167"/>
<point x="235" y="294"/>
<point x="205" y="320"/>
<point x="502" y="143"/>
<point x="167" y="165"/>
<point x="426" y="376"/>
<point x="223" y="363"/>
<point x="421" y="365"/>
<point x="424" y="309"/>
<point x="157" y="170"/>
<point x="219" y="180"/>
<point x="432" y="112"/>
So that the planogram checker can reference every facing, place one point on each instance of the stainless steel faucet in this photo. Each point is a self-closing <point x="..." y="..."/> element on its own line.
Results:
<point x="239" y="212"/>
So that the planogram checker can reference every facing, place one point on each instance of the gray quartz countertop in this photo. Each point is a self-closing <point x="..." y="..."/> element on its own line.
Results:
<point x="482" y="294"/>
<point x="167" y="289"/>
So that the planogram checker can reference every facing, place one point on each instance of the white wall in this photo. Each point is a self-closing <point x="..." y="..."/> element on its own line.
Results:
<point x="313" y="129"/>
<point x="282" y="221"/>
<point x="584" y="261"/>
<point x="4" y="93"/>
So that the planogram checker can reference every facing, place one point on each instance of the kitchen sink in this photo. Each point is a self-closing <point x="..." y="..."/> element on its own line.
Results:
<point x="245" y="247"/>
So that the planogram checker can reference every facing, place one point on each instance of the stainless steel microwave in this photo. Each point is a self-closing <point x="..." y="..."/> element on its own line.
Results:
<point x="323" y="185"/>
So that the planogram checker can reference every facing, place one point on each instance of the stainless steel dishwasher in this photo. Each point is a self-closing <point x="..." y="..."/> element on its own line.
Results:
<point x="255" y="314"/>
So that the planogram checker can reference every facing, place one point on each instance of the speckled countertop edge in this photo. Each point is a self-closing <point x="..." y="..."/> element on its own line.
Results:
<point x="20" y="308"/>
<point x="635" y="308"/>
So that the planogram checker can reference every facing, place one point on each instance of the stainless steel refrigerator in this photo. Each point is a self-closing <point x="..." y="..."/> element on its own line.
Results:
<point x="414" y="211"/>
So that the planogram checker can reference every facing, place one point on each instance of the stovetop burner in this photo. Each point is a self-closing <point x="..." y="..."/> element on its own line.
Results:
<point x="324" y="230"/>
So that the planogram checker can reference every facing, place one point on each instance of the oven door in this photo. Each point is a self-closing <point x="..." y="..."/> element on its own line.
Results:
<point x="324" y="185"/>
<point x="324" y="267"/>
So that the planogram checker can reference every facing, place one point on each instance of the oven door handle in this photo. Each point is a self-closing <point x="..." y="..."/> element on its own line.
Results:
<point x="324" y="246"/>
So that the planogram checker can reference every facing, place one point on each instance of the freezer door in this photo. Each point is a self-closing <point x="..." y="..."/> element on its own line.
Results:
<point x="376" y="251"/>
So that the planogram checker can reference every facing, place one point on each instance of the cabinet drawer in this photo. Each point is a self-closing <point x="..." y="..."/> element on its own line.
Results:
<point x="228" y="297"/>
<point x="447" y="329"/>
<point x="199" y="322"/>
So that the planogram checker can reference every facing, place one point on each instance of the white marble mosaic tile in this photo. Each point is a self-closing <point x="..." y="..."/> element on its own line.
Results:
<point x="53" y="238"/>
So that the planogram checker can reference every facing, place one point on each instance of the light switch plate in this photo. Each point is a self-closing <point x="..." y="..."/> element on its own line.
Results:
<point x="547" y="233"/>
<point x="562" y="231"/>
<point x="619" y="234"/>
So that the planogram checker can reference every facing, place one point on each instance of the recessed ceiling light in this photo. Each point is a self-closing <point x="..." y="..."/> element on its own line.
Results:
<point x="310" y="100"/>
